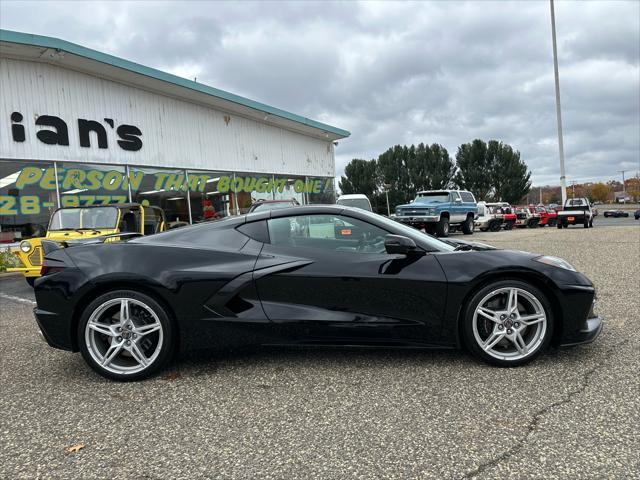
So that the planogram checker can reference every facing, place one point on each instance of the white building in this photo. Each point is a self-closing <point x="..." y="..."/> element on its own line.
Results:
<point x="80" y="127"/>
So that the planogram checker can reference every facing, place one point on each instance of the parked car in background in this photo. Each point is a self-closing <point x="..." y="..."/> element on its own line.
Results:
<point x="636" y="214"/>
<point x="527" y="216"/>
<point x="508" y="214"/>
<point x="615" y="213"/>
<point x="262" y="205"/>
<point x="489" y="217"/>
<point x="546" y="217"/>
<point x="553" y="206"/>
<point x="438" y="210"/>
<point x="576" y="211"/>
<point x="356" y="200"/>
<point x="85" y="223"/>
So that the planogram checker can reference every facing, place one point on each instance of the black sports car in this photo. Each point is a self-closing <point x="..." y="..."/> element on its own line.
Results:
<point x="313" y="275"/>
<point x="615" y="213"/>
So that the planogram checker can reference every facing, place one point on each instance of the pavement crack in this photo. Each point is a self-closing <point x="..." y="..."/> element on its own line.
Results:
<point x="539" y="414"/>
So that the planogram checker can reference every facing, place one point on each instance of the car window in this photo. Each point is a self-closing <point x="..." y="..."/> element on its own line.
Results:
<point x="454" y="196"/>
<point x="438" y="197"/>
<point x="467" y="197"/>
<point x="327" y="232"/>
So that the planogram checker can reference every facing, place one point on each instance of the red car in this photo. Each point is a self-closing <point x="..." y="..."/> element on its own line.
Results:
<point x="547" y="217"/>
<point x="508" y="214"/>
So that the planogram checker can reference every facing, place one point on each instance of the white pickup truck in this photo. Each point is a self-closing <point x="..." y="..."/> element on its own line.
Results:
<point x="576" y="211"/>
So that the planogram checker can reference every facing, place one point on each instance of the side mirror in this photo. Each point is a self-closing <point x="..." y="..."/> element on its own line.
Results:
<point x="398" y="244"/>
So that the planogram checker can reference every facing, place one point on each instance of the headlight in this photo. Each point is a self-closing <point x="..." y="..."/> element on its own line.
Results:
<point x="25" y="246"/>
<point x="555" y="262"/>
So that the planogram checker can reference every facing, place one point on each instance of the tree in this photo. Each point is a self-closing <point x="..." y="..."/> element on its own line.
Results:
<point x="394" y="170"/>
<point x="474" y="167"/>
<point x="599" y="192"/>
<point x="360" y="176"/>
<point x="510" y="175"/>
<point x="492" y="170"/>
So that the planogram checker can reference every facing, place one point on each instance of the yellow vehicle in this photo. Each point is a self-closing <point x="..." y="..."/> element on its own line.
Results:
<point x="77" y="223"/>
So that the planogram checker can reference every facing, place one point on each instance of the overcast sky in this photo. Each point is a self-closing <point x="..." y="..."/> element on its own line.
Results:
<point x="396" y="73"/>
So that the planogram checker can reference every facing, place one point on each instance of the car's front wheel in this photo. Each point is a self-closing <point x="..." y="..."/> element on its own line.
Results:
<point x="442" y="227"/>
<point x="508" y="323"/>
<point x="125" y="335"/>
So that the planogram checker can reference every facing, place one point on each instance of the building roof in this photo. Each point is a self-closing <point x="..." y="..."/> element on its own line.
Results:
<point x="70" y="55"/>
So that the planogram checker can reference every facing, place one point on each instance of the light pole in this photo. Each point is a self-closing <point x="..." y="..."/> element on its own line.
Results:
<point x="563" y="181"/>
<point x="387" y="186"/>
<point x="624" y="194"/>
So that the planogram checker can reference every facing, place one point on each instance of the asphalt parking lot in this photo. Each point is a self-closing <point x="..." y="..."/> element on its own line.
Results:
<point x="574" y="413"/>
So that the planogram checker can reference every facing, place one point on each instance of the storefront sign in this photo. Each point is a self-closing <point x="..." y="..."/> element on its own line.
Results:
<point x="54" y="131"/>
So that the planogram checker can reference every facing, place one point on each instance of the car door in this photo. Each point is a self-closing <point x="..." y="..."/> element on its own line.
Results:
<point x="327" y="278"/>
<point x="457" y="209"/>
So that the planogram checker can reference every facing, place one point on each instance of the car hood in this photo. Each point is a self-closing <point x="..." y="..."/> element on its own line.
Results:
<point x="420" y="204"/>
<point x="467" y="245"/>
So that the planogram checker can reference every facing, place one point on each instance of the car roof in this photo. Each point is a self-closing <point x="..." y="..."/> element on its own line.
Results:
<point x="352" y="196"/>
<point x="291" y="200"/>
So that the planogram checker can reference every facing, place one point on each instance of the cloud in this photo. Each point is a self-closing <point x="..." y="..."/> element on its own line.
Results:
<point x="444" y="72"/>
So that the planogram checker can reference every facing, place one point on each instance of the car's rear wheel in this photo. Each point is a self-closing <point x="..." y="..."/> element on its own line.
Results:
<point x="442" y="227"/>
<point x="508" y="323"/>
<point x="30" y="280"/>
<point x="125" y="335"/>
<point x="508" y="225"/>
<point x="494" y="226"/>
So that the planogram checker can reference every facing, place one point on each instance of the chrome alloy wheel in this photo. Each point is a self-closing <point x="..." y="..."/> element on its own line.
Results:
<point x="124" y="336"/>
<point x="509" y="323"/>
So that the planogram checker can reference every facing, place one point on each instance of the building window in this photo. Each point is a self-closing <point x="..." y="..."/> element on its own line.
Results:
<point x="162" y="188"/>
<point x="27" y="199"/>
<point x="210" y="198"/>
<point x="82" y="184"/>
<point x="321" y="190"/>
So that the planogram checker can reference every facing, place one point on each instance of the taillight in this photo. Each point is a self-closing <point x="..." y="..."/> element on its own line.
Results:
<point x="49" y="270"/>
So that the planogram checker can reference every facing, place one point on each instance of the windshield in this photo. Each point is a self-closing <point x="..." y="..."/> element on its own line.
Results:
<point x="434" y="243"/>
<point x="272" y="206"/>
<point x="361" y="203"/>
<point x="439" y="197"/>
<point x="79" y="218"/>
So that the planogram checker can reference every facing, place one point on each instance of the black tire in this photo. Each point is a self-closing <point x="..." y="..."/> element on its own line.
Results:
<point x="591" y="223"/>
<point x="559" y="224"/>
<point x="467" y="225"/>
<point x="508" y="225"/>
<point x="533" y="224"/>
<point x="442" y="227"/>
<point x="494" y="226"/>
<point x="168" y="335"/>
<point x="430" y="228"/>
<point x="31" y="280"/>
<point x="467" y="323"/>
<point x="586" y="224"/>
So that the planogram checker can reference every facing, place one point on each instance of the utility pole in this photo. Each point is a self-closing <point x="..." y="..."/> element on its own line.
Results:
<point x="563" y="180"/>
<point x="624" y="195"/>
<point x="387" y="186"/>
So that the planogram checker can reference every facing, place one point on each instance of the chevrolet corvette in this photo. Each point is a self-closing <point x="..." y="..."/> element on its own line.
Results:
<point x="310" y="275"/>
